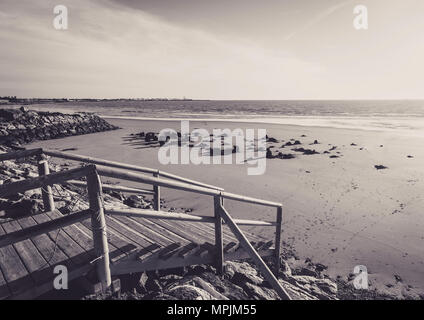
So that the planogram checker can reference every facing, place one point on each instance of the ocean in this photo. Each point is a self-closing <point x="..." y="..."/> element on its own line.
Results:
<point x="399" y="115"/>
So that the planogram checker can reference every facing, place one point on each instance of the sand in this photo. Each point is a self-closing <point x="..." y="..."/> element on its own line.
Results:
<point x="341" y="212"/>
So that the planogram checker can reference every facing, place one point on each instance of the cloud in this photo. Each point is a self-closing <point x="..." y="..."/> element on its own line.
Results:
<point x="318" y="18"/>
<point x="128" y="53"/>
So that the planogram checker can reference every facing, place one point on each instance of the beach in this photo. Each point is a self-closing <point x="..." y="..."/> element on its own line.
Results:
<point x="339" y="209"/>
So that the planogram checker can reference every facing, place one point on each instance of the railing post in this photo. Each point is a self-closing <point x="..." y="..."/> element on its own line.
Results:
<point x="98" y="224"/>
<point x="267" y="273"/>
<point x="219" y="244"/>
<point x="46" y="191"/>
<point x="156" y="196"/>
<point x="278" y="240"/>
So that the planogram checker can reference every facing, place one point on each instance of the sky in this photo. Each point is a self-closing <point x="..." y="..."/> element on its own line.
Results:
<point x="221" y="49"/>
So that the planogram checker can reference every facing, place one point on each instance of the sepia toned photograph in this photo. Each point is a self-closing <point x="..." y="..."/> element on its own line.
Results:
<point x="230" y="151"/>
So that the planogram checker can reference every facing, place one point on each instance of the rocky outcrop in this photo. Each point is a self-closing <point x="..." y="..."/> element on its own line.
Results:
<point x="18" y="126"/>
<point x="240" y="281"/>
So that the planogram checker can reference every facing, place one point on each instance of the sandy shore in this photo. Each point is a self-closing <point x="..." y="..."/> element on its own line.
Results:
<point x="341" y="212"/>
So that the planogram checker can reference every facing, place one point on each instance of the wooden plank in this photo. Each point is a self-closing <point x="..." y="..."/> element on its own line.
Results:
<point x="150" y="233"/>
<point x="46" y="287"/>
<point x="98" y="222"/>
<point x="200" y="234"/>
<point x="153" y="225"/>
<point x="4" y="289"/>
<point x="183" y="231"/>
<point x="34" y="262"/>
<point x="188" y="249"/>
<point x="128" y="233"/>
<point x="108" y="187"/>
<point x="156" y="194"/>
<point x="20" y="154"/>
<point x="115" y="240"/>
<point x="228" y="235"/>
<point x="205" y="249"/>
<point x="45" y="245"/>
<point x="75" y="234"/>
<point x="42" y="228"/>
<point x="14" y="271"/>
<point x="169" y="250"/>
<point x="46" y="192"/>
<point x="219" y="241"/>
<point x="152" y="214"/>
<point x="148" y="252"/>
<point x="209" y="230"/>
<point x="278" y="240"/>
<point x="82" y="235"/>
<point x="231" y="247"/>
<point x="50" y="179"/>
<point x="268" y="275"/>
<point x="72" y="249"/>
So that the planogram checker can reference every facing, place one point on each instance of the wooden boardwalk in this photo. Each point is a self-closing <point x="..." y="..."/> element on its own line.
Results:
<point x="114" y="241"/>
<point x="27" y="266"/>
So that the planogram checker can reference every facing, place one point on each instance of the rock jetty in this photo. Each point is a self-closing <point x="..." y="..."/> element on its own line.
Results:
<point x="19" y="126"/>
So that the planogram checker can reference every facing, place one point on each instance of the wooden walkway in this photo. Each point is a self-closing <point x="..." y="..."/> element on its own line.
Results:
<point x="27" y="266"/>
<point x="114" y="241"/>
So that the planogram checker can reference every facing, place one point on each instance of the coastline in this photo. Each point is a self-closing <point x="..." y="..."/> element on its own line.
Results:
<point x="326" y="216"/>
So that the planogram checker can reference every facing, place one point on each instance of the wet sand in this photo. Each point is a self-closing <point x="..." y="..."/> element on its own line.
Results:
<point x="341" y="212"/>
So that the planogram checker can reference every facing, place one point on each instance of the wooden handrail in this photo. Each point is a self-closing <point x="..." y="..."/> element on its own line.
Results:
<point x="153" y="214"/>
<point x="97" y="210"/>
<point x="119" y="165"/>
<point x="113" y="173"/>
<point x="20" y="154"/>
<point x="41" y="181"/>
<point x="109" y="187"/>
<point x="44" y="227"/>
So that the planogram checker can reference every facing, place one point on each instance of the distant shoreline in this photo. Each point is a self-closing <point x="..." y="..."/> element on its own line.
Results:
<point x="379" y="124"/>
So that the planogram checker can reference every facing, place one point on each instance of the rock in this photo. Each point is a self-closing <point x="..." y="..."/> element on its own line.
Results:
<point x="320" y="267"/>
<point x="198" y="269"/>
<point x="22" y="126"/>
<point x="134" y="201"/>
<point x="153" y="285"/>
<point x="380" y="167"/>
<point x="22" y="207"/>
<point x="189" y="292"/>
<point x="285" y="268"/>
<point x="306" y="151"/>
<point x="208" y="288"/>
<point x="260" y="293"/>
<point x="225" y="286"/>
<point x="319" y="288"/>
<point x="305" y="272"/>
<point x="397" y="278"/>
<point x="116" y="195"/>
<point x="271" y="140"/>
<point x="141" y="285"/>
<point x="239" y="273"/>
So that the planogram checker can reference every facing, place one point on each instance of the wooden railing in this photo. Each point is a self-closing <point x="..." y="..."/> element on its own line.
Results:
<point x="99" y="167"/>
<point x="95" y="210"/>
